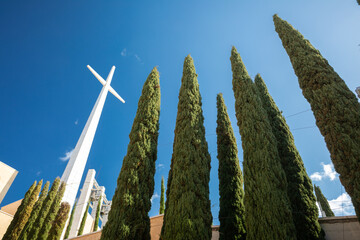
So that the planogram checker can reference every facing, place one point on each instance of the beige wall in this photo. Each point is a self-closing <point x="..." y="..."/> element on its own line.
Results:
<point x="6" y="216"/>
<point x="215" y="233"/>
<point x="336" y="228"/>
<point x="7" y="176"/>
<point x="155" y="226"/>
<point x="12" y="207"/>
<point x="155" y="230"/>
<point x="5" y="220"/>
<point x="341" y="228"/>
<point x="89" y="236"/>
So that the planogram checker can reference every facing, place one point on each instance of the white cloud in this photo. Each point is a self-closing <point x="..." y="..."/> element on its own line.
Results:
<point x="76" y="122"/>
<point x="38" y="173"/>
<point x="160" y="166"/>
<point x="328" y="172"/>
<point x="316" y="176"/>
<point x="123" y="52"/>
<point x="154" y="196"/>
<point x="67" y="156"/>
<point x="342" y="205"/>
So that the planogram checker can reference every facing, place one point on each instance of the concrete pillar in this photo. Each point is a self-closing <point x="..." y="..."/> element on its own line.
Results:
<point x="82" y="202"/>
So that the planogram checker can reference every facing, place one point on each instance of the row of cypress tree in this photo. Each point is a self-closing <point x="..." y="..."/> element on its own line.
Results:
<point x="278" y="201"/>
<point x="335" y="106"/>
<point x="40" y="217"/>
<point x="275" y="176"/>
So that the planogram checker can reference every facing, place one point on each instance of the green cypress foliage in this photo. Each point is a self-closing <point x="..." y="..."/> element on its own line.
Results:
<point x="162" y="197"/>
<point x="268" y="212"/>
<point x="358" y="1"/>
<point x="83" y="220"/>
<point x="232" y="209"/>
<point x="187" y="212"/>
<point x="59" y="222"/>
<point x="300" y="190"/>
<point x="324" y="204"/>
<point x="68" y="228"/>
<point x="34" y="232"/>
<point x="43" y="234"/>
<point x="9" y="232"/>
<point x="335" y="106"/>
<point x="96" y="222"/>
<point x="128" y="217"/>
<point x="24" y="214"/>
<point x="35" y="212"/>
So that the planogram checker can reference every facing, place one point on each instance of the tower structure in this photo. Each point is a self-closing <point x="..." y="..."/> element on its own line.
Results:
<point x="75" y="168"/>
<point x="94" y="194"/>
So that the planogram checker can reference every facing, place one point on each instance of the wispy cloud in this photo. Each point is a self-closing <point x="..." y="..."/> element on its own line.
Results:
<point x="328" y="172"/>
<point x="67" y="155"/>
<point x="137" y="57"/>
<point x="123" y="52"/>
<point x="38" y="173"/>
<point x="126" y="53"/>
<point x="160" y="166"/>
<point x="342" y="205"/>
<point x="76" y="122"/>
<point x="154" y="196"/>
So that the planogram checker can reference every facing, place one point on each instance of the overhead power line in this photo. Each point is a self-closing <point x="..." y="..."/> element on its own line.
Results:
<point x="303" y="128"/>
<point x="298" y="113"/>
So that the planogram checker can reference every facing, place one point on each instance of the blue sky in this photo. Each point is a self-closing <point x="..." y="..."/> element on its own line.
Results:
<point x="47" y="93"/>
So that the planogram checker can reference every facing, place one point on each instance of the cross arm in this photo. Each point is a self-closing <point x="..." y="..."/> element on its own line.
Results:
<point x="101" y="80"/>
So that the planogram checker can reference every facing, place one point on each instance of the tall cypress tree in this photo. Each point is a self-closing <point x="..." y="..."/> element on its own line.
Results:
<point x="68" y="228"/>
<point x="232" y="209"/>
<point x="335" y="106"/>
<point x="187" y="212"/>
<point x="300" y="190"/>
<point x="43" y="234"/>
<point x="267" y="207"/>
<point x="358" y="1"/>
<point x="128" y="217"/>
<point x="9" y="232"/>
<point x="34" y="231"/>
<point x="323" y="202"/>
<point x="35" y="212"/>
<point x="83" y="220"/>
<point x="59" y="222"/>
<point x="24" y="213"/>
<point x="96" y="222"/>
<point x="162" y="197"/>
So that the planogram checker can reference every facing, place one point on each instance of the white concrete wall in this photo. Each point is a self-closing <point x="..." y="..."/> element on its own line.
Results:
<point x="82" y="203"/>
<point x="7" y="176"/>
<point x="88" y="224"/>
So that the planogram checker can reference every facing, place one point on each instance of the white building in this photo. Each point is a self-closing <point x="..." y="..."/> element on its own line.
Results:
<point x="7" y="176"/>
